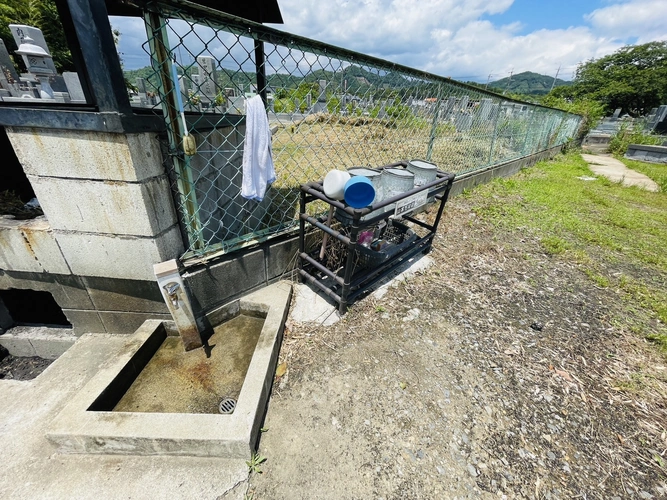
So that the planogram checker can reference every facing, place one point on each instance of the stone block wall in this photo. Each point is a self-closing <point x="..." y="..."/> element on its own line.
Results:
<point x="109" y="216"/>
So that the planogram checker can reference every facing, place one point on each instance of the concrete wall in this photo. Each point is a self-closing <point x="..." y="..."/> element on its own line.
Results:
<point x="506" y="169"/>
<point x="109" y="216"/>
<point x="230" y="277"/>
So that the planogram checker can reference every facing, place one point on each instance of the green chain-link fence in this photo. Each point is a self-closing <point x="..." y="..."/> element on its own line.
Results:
<point x="327" y="108"/>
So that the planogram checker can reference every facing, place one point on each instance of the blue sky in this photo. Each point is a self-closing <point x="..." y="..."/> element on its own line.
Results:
<point x="463" y="39"/>
<point x="545" y="14"/>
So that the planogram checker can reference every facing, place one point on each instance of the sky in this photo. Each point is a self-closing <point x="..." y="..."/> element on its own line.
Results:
<point x="476" y="40"/>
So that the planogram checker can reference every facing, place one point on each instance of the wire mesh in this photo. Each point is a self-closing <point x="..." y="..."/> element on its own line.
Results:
<point x="327" y="108"/>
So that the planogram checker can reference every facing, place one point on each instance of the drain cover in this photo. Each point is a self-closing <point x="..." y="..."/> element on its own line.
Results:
<point x="227" y="405"/>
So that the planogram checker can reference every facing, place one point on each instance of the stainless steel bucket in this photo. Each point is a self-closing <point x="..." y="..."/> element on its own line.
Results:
<point x="424" y="171"/>
<point x="396" y="181"/>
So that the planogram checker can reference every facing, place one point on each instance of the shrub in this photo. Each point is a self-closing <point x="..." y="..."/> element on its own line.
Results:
<point x="625" y="136"/>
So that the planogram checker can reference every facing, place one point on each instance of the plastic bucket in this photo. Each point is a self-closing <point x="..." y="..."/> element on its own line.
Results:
<point x="334" y="184"/>
<point x="424" y="171"/>
<point x="375" y="176"/>
<point x="359" y="192"/>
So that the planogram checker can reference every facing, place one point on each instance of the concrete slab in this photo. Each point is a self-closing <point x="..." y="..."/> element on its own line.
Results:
<point x="616" y="171"/>
<point x="416" y="265"/>
<point x="42" y="341"/>
<point x="129" y="257"/>
<point x="76" y="429"/>
<point x="313" y="307"/>
<point x="29" y="245"/>
<point x="80" y="154"/>
<point x="31" y="467"/>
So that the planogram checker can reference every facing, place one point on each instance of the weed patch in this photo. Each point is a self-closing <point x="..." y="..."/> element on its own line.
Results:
<point x="600" y="226"/>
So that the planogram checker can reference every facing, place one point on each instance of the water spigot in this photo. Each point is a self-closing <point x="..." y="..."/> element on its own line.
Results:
<point x="172" y="288"/>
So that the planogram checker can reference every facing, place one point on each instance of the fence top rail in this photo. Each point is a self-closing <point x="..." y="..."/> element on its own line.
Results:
<point x="198" y="14"/>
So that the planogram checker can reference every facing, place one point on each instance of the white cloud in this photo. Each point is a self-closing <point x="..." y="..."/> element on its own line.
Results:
<point x="449" y="38"/>
<point x="644" y="19"/>
<point x="455" y="38"/>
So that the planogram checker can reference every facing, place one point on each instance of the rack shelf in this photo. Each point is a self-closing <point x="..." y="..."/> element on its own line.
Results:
<point x="343" y="281"/>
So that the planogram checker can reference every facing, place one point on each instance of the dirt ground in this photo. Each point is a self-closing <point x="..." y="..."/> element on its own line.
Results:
<point x="499" y="372"/>
<point x="21" y="368"/>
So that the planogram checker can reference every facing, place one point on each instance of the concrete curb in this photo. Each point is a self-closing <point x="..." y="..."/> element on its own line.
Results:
<point x="77" y="429"/>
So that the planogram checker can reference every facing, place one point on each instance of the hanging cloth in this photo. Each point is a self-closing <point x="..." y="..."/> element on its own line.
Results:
<point x="258" y="170"/>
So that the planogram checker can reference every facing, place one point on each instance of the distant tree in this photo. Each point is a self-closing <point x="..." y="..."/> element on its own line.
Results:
<point x="634" y="78"/>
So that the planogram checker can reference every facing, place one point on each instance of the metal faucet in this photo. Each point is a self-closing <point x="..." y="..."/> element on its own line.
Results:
<point x="172" y="288"/>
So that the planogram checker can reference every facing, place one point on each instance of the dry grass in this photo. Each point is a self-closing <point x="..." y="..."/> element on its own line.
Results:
<point x="307" y="150"/>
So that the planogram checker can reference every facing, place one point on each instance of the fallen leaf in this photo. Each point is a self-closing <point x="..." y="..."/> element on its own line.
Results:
<point x="659" y="460"/>
<point x="564" y="374"/>
<point x="282" y="368"/>
<point x="403" y="385"/>
<point x="620" y="439"/>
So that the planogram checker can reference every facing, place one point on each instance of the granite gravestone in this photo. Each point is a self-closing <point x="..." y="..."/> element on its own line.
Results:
<point x="20" y="32"/>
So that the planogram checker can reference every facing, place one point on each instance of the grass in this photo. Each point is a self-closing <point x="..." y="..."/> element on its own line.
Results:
<point x="599" y="225"/>
<point x="655" y="171"/>
<point x="255" y="462"/>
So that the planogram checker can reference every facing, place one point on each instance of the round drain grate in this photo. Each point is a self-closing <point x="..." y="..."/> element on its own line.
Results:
<point x="227" y="405"/>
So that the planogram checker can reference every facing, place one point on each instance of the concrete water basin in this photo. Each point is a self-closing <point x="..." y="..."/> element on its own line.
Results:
<point x="153" y="398"/>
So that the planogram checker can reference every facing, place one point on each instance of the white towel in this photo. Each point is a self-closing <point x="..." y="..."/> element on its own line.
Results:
<point x="258" y="171"/>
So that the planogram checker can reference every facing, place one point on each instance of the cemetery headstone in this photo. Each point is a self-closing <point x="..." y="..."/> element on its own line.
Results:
<point x="463" y="103"/>
<point x="9" y="78"/>
<point x="73" y="85"/>
<point x="485" y="109"/>
<point x="20" y="32"/>
<point x="208" y="76"/>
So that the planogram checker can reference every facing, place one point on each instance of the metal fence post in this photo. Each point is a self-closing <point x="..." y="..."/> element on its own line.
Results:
<point x="434" y="128"/>
<point x="493" y="137"/>
<point x="159" y="44"/>
<point x="260" y="70"/>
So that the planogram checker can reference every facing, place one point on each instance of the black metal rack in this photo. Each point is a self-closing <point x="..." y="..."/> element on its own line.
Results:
<point x="345" y="288"/>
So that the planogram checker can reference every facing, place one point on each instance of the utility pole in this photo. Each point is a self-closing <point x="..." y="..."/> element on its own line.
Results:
<point x="555" y="78"/>
<point x="509" y="81"/>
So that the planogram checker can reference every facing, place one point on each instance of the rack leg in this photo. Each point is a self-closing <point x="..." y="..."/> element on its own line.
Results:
<point x="302" y="233"/>
<point x="349" y="265"/>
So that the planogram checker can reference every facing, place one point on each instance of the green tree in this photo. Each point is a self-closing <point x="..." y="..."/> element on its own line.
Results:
<point x="591" y="111"/>
<point x="634" y="78"/>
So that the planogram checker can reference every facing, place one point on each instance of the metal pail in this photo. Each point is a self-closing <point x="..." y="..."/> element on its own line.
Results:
<point x="396" y="181"/>
<point x="424" y="171"/>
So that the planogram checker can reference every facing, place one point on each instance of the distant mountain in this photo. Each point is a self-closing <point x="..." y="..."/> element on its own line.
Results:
<point x="528" y="83"/>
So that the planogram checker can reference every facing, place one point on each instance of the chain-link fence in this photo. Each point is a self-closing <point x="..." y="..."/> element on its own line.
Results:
<point x="327" y="108"/>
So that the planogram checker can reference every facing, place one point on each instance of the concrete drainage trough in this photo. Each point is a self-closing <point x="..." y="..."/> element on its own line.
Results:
<point x="78" y="429"/>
